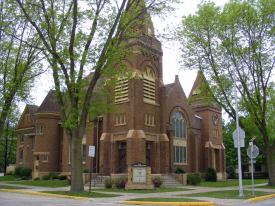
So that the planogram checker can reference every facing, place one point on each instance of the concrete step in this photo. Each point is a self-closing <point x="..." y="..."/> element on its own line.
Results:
<point x="169" y="181"/>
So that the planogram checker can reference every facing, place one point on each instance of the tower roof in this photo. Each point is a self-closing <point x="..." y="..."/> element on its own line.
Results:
<point x="49" y="105"/>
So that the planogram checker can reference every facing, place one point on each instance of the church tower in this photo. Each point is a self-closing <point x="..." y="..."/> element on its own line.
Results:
<point x="210" y="112"/>
<point x="137" y="133"/>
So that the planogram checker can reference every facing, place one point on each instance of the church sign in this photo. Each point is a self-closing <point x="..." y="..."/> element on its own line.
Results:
<point x="139" y="172"/>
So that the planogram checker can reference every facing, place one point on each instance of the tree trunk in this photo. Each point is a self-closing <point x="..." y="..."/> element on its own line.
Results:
<point x="76" y="169"/>
<point x="271" y="168"/>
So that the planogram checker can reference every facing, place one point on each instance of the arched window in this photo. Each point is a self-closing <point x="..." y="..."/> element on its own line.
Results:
<point x="179" y="125"/>
<point x="149" y="85"/>
<point x="179" y="135"/>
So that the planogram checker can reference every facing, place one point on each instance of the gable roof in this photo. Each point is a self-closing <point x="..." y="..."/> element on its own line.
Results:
<point x="169" y="87"/>
<point x="49" y="105"/>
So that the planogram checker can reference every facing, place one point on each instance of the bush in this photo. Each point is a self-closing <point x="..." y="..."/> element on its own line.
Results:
<point x="86" y="170"/>
<point x="25" y="171"/>
<point x="230" y="170"/>
<point x="120" y="182"/>
<point x="62" y="177"/>
<point x="211" y="175"/>
<point x="179" y="171"/>
<point x="108" y="183"/>
<point x="10" y="173"/>
<point x="17" y="171"/>
<point x="157" y="181"/>
<point x="37" y="178"/>
<point x="25" y="178"/>
<point x="194" y="179"/>
<point x="53" y="175"/>
<point x="46" y="177"/>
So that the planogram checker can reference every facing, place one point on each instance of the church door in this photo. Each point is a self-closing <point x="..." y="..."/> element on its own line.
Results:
<point x="122" y="160"/>
<point x="148" y="157"/>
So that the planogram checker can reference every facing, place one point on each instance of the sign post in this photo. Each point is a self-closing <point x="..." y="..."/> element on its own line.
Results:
<point x="91" y="154"/>
<point x="252" y="152"/>
<point x="238" y="141"/>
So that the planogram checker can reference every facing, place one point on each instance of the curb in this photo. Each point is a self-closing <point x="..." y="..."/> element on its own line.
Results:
<point x="43" y="194"/>
<point x="168" y="203"/>
<point x="260" y="198"/>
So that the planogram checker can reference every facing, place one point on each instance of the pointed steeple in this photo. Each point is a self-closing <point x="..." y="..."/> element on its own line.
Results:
<point x="197" y="84"/>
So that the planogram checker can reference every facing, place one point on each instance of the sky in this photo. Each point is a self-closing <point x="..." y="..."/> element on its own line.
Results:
<point x="170" y="59"/>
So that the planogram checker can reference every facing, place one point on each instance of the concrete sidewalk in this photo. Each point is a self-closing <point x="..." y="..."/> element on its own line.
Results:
<point x="128" y="196"/>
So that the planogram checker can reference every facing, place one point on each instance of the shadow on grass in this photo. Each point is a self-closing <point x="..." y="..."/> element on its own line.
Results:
<point x="142" y="191"/>
<point x="81" y="194"/>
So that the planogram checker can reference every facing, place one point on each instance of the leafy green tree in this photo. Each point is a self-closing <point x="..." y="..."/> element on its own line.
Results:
<point x="19" y="59"/>
<point x="8" y="141"/>
<point x="236" y="39"/>
<point x="88" y="37"/>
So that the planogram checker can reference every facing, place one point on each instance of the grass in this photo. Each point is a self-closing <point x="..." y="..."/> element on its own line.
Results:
<point x="42" y="183"/>
<point x="7" y="178"/>
<point x="11" y="187"/>
<point x="165" y="200"/>
<point x="81" y="194"/>
<point x="142" y="191"/>
<point x="232" y="183"/>
<point x="266" y="187"/>
<point x="228" y="194"/>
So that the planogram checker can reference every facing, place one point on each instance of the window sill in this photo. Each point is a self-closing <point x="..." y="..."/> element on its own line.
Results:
<point x="180" y="164"/>
<point x="150" y="125"/>
<point x="117" y="125"/>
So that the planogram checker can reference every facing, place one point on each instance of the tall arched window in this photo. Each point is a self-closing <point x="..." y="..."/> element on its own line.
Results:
<point x="179" y="125"/>
<point x="149" y="85"/>
<point x="179" y="136"/>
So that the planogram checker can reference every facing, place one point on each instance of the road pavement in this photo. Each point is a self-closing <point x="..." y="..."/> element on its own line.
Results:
<point x="7" y="197"/>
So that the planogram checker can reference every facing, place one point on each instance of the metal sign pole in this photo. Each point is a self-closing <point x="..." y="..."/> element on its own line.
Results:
<point x="239" y="143"/>
<point x="91" y="154"/>
<point x="252" y="172"/>
<point x="90" y="175"/>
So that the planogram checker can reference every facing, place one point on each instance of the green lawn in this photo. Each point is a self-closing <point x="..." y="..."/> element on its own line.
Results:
<point x="81" y="194"/>
<point x="142" y="191"/>
<point x="228" y="194"/>
<point x="7" y="178"/>
<point x="11" y="187"/>
<point x="165" y="200"/>
<point x="42" y="183"/>
<point x="231" y="183"/>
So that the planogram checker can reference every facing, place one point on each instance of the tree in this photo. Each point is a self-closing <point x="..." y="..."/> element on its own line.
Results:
<point x="8" y="141"/>
<point x="87" y="38"/>
<point x="19" y="59"/>
<point x="236" y="39"/>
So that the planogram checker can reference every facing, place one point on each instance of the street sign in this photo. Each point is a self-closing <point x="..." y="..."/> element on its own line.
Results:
<point x="91" y="151"/>
<point x="235" y="138"/>
<point x="255" y="151"/>
<point x="254" y="161"/>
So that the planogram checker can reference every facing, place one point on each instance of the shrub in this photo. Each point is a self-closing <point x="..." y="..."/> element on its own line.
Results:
<point x="25" y="178"/>
<point x="120" y="182"/>
<point x="10" y="173"/>
<point x="37" y="178"/>
<point x="108" y="183"/>
<point x="194" y="179"/>
<point x="230" y="170"/>
<point x="46" y="177"/>
<point x="157" y="181"/>
<point x="62" y="177"/>
<point x="53" y="175"/>
<point x="17" y="171"/>
<point x="211" y="175"/>
<point x="179" y="171"/>
<point x="69" y="180"/>
<point x="86" y="170"/>
<point x="25" y="171"/>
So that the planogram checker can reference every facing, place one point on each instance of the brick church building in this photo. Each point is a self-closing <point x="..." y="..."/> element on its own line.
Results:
<point x="155" y="126"/>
